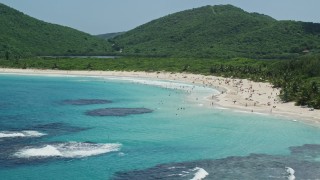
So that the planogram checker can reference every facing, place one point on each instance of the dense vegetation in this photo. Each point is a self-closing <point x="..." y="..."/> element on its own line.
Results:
<point x="23" y="36"/>
<point x="299" y="79"/>
<point x="220" y="31"/>
<point x="207" y="40"/>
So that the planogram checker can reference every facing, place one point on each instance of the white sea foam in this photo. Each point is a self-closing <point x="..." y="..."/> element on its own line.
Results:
<point x="200" y="174"/>
<point x="222" y="108"/>
<point x="67" y="150"/>
<point x="16" y="134"/>
<point x="290" y="172"/>
<point x="121" y="154"/>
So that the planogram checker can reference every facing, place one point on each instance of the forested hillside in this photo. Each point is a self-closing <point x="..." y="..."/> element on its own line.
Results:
<point x="22" y="35"/>
<point x="220" y="31"/>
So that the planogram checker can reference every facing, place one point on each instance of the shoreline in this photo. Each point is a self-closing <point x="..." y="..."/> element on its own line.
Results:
<point x="235" y="94"/>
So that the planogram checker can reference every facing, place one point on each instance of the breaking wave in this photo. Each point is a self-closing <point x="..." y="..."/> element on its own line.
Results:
<point x="16" y="134"/>
<point x="290" y="172"/>
<point x="67" y="150"/>
<point x="200" y="174"/>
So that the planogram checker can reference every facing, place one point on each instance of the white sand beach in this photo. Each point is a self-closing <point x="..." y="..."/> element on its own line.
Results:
<point x="240" y="94"/>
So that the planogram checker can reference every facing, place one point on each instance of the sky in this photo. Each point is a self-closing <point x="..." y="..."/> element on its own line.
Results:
<point x="106" y="16"/>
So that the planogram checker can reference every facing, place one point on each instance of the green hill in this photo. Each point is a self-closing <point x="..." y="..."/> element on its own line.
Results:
<point x="220" y="31"/>
<point x="22" y="35"/>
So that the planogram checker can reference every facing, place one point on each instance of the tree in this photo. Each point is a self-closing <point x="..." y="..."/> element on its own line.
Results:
<point x="55" y="66"/>
<point x="284" y="95"/>
<point x="7" y="55"/>
<point x="186" y="67"/>
<point x="314" y="87"/>
<point x="89" y="66"/>
<point x="24" y="66"/>
<point x="213" y="70"/>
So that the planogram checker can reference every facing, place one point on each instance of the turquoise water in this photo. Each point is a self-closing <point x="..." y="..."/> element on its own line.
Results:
<point x="113" y="144"/>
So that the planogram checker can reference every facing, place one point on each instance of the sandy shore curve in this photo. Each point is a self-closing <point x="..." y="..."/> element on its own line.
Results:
<point x="240" y="94"/>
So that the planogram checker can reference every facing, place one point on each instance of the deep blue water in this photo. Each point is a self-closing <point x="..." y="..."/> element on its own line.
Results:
<point x="43" y="137"/>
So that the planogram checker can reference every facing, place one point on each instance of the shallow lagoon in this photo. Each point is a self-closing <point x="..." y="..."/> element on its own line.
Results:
<point x="177" y="131"/>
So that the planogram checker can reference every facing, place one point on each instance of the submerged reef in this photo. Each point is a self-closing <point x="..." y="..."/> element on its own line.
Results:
<point x="302" y="163"/>
<point x="118" y="111"/>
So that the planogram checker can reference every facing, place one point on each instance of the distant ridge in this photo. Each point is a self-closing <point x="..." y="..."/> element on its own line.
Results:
<point x="23" y="36"/>
<point x="109" y="35"/>
<point x="220" y="31"/>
